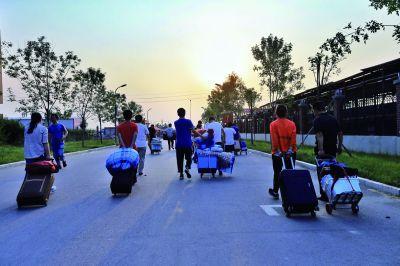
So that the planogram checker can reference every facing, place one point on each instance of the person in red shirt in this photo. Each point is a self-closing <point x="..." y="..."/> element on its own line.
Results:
<point x="283" y="141"/>
<point x="127" y="131"/>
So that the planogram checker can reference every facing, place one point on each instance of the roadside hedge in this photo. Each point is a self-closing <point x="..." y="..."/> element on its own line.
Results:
<point x="11" y="132"/>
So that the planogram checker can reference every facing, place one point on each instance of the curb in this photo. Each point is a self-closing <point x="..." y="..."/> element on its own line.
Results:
<point x="387" y="189"/>
<point x="2" y="166"/>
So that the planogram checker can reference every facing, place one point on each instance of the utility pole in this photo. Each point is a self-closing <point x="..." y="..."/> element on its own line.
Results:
<point x="1" y="77"/>
<point x="190" y="108"/>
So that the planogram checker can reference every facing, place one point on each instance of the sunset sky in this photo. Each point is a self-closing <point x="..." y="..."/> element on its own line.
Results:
<point x="171" y="51"/>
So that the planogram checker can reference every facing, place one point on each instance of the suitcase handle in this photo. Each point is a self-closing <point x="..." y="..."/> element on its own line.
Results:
<point x="283" y="155"/>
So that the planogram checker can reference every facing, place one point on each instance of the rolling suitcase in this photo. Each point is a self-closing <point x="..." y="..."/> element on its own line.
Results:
<point x="35" y="190"/>
<point x="122" y="182"/>
<point x="297" y="191"/>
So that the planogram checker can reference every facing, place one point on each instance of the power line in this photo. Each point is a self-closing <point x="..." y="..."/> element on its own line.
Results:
<point x="156" y="97"/>
<point x="176" y="100"/>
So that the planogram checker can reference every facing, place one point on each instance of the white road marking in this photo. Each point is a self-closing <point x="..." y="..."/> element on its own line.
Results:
<point x="269" y="209"/>
<point x="354" y="232"/>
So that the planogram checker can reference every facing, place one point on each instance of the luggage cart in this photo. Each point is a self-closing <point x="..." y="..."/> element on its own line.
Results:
<point x="340" y="191"/>
<point x="207" y="164"/>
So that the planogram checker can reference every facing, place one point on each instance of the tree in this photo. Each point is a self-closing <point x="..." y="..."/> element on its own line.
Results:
<point x="45" y="77"/>
<point x="324" y="65"/>
<point x="88" y="86"/>
<point x="275" y="68"/>
<point x="251" y="97"/>
<point x="226" y="97"/>
<point x="133" y="106"/>
<point x="340" y="44"/>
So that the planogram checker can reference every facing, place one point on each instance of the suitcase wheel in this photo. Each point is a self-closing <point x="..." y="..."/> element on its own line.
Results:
<point x="355" y="208"/>
<point x="328" y="208"/>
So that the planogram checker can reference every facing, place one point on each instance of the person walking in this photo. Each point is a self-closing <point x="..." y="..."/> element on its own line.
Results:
<point x="328" y="138"/>
<point x="218" y="132"/>
<point x="199" y="125"/>
<point x="184" y="128"/>
<point x="36" y="144"/>
<point x="170" y="132"/>
<point x="141" y="142"/>
<point x="127" y="131"/>
<point x="152" y="134"/>
<point x="283" y="143"/>
<point x="229" y="133"/>
<point x="57" y="134"/>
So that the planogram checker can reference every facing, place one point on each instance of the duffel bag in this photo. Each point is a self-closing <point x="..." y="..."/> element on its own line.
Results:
<point x="41" y="167"/>
<point x="122" y="160"/>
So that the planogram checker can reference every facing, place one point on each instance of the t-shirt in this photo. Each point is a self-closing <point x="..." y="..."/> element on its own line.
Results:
<point x="329" y="127"/>
<point x="229" y="136"/>
<point x="217" y="127"/>
<point x="33" y="143"/>
<point x="141" y="139"/>
<point x="170" y="132"/>
<point x="127" y="130"/>
<point x="56" y="131"/>
<point x="152" y="132"/>
<point x="283" y="135"/>
<point x="183" y="129"/>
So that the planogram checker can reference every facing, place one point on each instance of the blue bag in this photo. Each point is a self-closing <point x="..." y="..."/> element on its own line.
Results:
<point x="122" y="160"/>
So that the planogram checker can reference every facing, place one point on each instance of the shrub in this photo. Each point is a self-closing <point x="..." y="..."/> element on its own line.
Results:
<point x="11" y="132"/>
<point x="76" y="134"/>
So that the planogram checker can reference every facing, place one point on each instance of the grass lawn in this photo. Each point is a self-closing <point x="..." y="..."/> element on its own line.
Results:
<point x="10" y="154"/>
<point x="381" y="168"/>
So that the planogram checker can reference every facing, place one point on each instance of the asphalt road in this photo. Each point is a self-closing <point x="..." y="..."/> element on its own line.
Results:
<point x="227" y="221"/>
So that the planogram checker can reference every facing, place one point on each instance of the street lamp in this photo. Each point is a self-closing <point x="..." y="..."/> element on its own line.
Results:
<point x="147" y="115"/>
<point x="115" y="111"/>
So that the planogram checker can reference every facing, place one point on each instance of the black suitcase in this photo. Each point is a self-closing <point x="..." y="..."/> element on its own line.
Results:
<point x="122" y="182"/>
<point x="35" y="190"/>
<point x="297" y="191"/>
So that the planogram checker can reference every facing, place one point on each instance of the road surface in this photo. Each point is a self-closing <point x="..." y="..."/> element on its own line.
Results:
<point x="229" y="221"/>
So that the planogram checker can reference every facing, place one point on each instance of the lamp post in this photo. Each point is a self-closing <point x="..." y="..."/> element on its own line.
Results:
<point x="147" y="115"/>
<point x="115" y="112"/>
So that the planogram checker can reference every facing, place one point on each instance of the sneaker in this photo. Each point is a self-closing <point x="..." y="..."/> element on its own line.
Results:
<point x="274" y="194"/>
<point x="220" y="173"/>
<point x="64" y="163"/>
<point x="53" y="189"/>
<point x="188" y="173"/>
<point x="181" y="177"/>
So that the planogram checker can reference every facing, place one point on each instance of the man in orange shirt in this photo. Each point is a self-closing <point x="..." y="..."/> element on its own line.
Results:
<point x="127" y="131"/>
<point x="283" y="141"/>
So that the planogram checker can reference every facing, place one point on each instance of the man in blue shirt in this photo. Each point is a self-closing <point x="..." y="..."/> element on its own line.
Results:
<point x="57" y="133"/>
<point x="183" y="146"/>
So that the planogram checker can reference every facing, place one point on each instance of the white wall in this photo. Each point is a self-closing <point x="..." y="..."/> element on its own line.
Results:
<point x="369" y="144"/>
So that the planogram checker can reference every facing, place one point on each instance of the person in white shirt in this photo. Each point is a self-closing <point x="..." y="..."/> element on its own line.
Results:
<point x="217" y="127"/>
<point x="36" y="143"/>
<point x="170" y="136"/>
<point x="141" y="142"/>
<point x="218" y="132"/>
<point x="229" y="138"/>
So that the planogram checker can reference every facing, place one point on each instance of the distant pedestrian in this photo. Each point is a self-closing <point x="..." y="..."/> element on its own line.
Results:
<point x="152" y="134"/>
<point x="36" y="142"/>
<point x="283" y="142"/>
<point x="184" y="128"/>
<point x="127" y="131"/>
<point x="170" y="132"/>
<point x="141" y="142"/>
<point x="57" y="135"/>
<point x="218" y="132"/>
<point x="229" y="133"/>
<point x="199" y="125"/>
<point x="328" y="138"/>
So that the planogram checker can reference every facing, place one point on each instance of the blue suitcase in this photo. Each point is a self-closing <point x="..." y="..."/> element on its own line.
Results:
<point x="297" y="191"/>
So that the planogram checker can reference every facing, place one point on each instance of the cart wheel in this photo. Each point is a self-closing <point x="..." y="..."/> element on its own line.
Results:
<point x="313" y="214"/>
<point x="328" y="208"/>
<point x="355" y="209"/>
